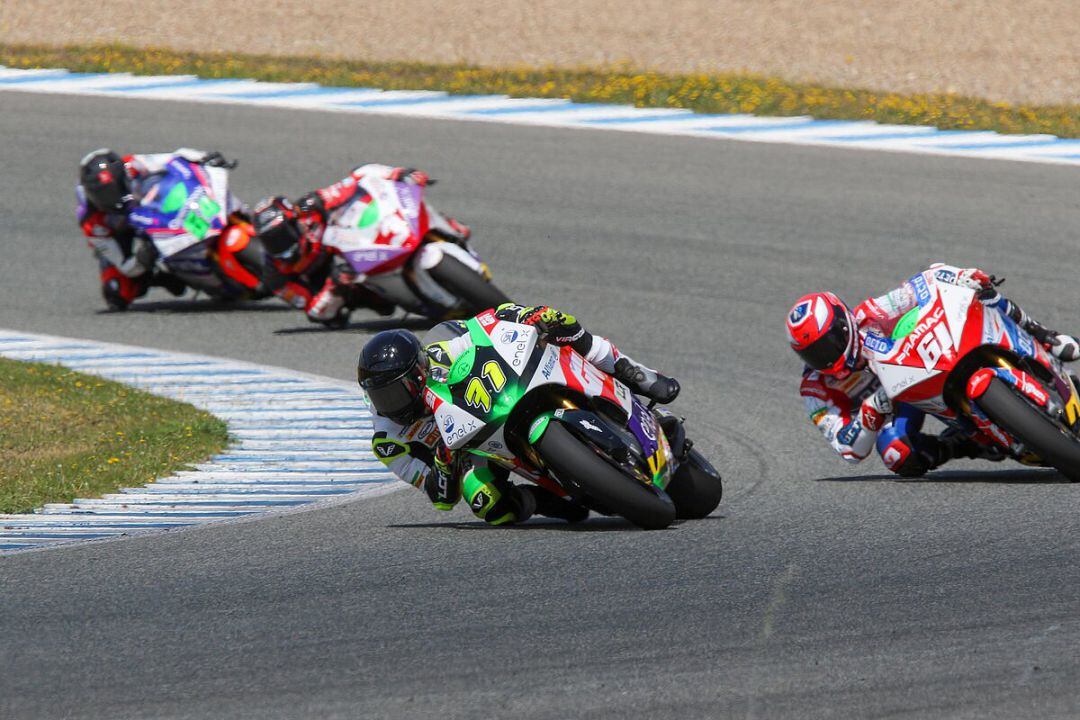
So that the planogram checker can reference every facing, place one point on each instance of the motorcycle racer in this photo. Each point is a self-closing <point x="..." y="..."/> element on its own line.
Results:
<point x="393" y="369"/>
<point x="110" y="187"/>
<point x="310" y="275"/>
<point x="844" y="398"/>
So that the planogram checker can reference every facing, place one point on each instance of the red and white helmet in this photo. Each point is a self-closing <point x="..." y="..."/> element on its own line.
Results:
<point x="823" y="332"/>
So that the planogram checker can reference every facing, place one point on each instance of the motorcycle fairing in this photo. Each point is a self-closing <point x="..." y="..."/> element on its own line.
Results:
<point x="184" y="207"/>
<point x="378" y="231"/>
<point x="948" y="324"/>
<point x="491" y="397"/>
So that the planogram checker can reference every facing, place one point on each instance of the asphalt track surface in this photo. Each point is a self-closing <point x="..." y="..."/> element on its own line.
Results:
<point x="816" y="590"/>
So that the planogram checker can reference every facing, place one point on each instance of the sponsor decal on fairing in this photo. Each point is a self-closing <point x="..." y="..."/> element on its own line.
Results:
<point x="922" y="289"/>
<point x="877" y="343"/>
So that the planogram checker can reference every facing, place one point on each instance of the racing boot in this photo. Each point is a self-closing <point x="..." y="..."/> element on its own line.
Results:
<point x="496" y="500"/>
<point x="170" y="282"/>
<point x="1064" y="347"/>
<point x="359" y="296"/>
<point x="646" y="382"/>
<point x="551" y="505"/>
<point x="954" y="444"/>
<point x="328" y="306"/>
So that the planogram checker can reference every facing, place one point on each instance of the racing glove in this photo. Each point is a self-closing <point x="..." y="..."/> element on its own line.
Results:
<point x="443" y="483"/>
<point x="876" y="410"/>
<point x="312" y="204"/>
<point x="216" y="159"/>
<point x="417" y="177"/>
<point x="975" y="279"/>
<point x="560" y="328"/>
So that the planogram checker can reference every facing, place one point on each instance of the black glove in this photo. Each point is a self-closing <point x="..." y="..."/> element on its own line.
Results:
<point x="216" y="159"/>
<point x="312" y="203"/>
<point x="443" y="483"/>
<point x="559" y="327"/>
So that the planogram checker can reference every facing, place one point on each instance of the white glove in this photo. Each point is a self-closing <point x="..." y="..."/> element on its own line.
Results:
<point x="974" y="279"/>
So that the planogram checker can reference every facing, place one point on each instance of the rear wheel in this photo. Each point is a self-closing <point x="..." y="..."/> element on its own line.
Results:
<point x="1019" y="418"/>
<point x="577" y="464"/>
<point x="467" y="284"/>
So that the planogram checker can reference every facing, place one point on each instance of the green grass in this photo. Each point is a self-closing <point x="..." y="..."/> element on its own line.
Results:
<point x="65" y="435"/>
<point x="705" y="93"/>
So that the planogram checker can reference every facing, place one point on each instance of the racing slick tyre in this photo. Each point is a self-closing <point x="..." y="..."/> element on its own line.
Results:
<point x="696" y="488"/>
<point x="478" y="293"/>
<point x="1019" y="418"/>
<point x="576" y="463"/>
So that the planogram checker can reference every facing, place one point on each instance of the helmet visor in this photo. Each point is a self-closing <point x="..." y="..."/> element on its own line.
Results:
<point x="281" y="240"/>
<point x="398" y="399"/>
<point x="827" y="351"/>
<point x="107" y="195"/>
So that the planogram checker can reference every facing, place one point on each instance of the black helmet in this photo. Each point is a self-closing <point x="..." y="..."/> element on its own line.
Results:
<point x="392" y="371"/>
<point x="104" y="179"/>
<point x="276" y="226"/>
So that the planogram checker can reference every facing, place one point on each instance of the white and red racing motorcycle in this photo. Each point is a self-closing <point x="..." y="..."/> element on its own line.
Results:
<point x="408" y="254"/>
<point x="977" y="370"/>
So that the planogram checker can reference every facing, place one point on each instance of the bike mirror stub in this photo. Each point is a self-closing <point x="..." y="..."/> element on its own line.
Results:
<point x="906" y="324"/>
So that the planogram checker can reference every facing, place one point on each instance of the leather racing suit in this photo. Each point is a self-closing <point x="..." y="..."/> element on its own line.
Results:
<point x="856" y="417"/>
<point x="417" y="455"/>
<point x="322" y="283"/>
<point x="126" y="257"/>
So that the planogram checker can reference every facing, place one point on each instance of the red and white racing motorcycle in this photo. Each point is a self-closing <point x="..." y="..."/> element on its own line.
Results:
<point x="391" y="237"/>
<point x="977" y="370"/>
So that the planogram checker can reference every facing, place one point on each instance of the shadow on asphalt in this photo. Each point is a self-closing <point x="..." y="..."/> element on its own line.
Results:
<point x="1021" y="476"/>
<point x="594" y="524"/>
<point x="402" y="323"/>
<point x="195" y="306"/>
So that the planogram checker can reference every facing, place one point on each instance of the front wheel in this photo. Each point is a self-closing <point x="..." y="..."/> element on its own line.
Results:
<point x="575" y="463"/>
<point x="1035" y="430"/>
<point x="696" y="488"/>
<point x="468" y="285"/>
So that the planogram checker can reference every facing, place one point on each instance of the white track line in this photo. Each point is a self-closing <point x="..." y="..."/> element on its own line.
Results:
<point x="298" y="439"/>
<point x="800" y="130"/>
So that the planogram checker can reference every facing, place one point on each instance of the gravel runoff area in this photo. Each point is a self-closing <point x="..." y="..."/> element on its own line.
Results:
<point x="1011" y="50"/>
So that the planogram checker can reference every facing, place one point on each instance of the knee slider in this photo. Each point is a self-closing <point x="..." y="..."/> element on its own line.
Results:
<point x="496" y="502"/>
<point x="903" y="459"/>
